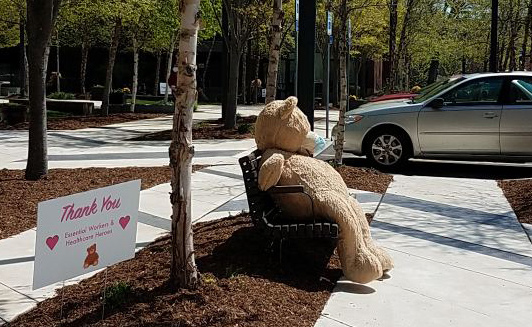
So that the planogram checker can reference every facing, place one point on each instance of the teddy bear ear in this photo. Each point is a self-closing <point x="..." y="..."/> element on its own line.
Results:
<point x="289" y="105"/>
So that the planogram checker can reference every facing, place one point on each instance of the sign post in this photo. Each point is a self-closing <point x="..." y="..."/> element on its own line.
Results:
<point x="83" y="232"/>
<point x="348" y="59"/>
<point x="327" y="73"/>
<point x="297" y="47"/>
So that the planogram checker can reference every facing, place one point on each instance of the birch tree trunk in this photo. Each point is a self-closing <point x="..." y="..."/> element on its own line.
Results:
<point x="41" y="17"/>
<point x="135" y="74"/>
<point x="169" y="66"/>
<point x="391" y="43"/>
<point x="243" y="81"/>
<point x="83" y="69"/>
<point x="275" y="49"/>
<point x="110" y="67"/>
<point x="342" y="49"/>
<point x="183" y="272"/>
<point x="58" y="76"/>
<point x="157" y="73"/>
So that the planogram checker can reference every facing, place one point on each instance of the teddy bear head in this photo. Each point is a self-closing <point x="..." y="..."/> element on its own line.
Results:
<point x="91" y="249"/>
<point x="281" y="125"/>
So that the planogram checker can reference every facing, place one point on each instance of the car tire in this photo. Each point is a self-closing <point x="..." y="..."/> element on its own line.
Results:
<point x="387" y="149"/>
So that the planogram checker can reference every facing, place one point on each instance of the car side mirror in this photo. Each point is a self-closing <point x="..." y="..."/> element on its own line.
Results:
<point x="437" y="103"/>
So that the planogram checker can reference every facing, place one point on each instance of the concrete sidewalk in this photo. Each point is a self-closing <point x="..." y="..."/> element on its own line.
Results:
<point x="109" y="146"/>
<point x="461" y="257"/>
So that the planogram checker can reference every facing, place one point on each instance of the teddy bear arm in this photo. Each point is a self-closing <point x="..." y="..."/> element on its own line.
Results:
<point x="270" y="171"/>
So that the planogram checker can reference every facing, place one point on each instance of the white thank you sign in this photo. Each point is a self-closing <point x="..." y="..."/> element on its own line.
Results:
<point x="79" y="233"/>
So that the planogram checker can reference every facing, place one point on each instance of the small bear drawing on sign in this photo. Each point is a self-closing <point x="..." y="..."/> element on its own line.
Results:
<point x="92" y="257"/>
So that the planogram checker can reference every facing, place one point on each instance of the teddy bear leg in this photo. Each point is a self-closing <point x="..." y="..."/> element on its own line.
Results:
<point x="384" y="257"/>
<point x="359" y="264"/>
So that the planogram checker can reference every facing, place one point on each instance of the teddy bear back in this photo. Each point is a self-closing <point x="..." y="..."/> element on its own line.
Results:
<point x="281" y="125"/>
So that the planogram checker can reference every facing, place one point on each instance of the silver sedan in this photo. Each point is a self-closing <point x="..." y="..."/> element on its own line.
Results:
<point x="484" y="116"/>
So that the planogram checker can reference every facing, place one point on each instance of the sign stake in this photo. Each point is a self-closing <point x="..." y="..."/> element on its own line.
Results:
<point x="104" y="292"/>
<point x="62" y="302"/>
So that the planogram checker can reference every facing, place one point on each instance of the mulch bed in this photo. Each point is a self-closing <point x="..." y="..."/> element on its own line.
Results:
<point x="210" y="130"/>
<point x="243" y="284"/>
<point x="519" y="195"/>
<point x="19" y="198"/>
<point x="365" y="179"/>
<point x="71" y="123"/>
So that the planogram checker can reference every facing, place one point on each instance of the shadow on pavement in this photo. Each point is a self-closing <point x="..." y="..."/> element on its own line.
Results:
<point x="456" y="169"/>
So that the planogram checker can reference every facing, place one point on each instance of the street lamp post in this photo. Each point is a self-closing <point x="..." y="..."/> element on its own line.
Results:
<point x="306" y="53"/>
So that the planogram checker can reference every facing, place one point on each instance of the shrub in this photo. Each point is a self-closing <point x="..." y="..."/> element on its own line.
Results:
<point x="245" y="128"/>
<point x="117" y="294"/>
<point x="62" y="96"/>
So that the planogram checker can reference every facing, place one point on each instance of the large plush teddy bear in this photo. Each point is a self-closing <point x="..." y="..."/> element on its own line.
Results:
<point x="281" y="134"/>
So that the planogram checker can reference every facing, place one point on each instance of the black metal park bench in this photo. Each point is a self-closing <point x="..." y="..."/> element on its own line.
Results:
<point x="267" y="215"/>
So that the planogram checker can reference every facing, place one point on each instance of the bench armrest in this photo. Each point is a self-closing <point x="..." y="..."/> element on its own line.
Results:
<point x="286" y="189"/>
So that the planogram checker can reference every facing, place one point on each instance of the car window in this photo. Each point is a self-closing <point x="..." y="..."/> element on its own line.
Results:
<point x="436" y="88"/>
<point x="521" y="91"/>
<point x="483" y="91"/>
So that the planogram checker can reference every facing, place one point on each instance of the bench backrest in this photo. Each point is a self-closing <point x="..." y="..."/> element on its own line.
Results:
<point x="260" y="203"/>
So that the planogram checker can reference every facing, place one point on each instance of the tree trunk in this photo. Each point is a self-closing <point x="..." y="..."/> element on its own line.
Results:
<point x="526" y="36"/>
<point x="256" y="89"/>
<point x="275" y="49"/>
<point x="502" y="46"/>
<point x="232" y="87"/>
<point x="207" y="61"/>
<point x="168" y="72"/>
<point x="83" y="70"/>
<point x="58" y="74"/>
<point x="27" y="71"/>
<point x="506" y="57"/>
<point x="135" y="74"/>
<point x="110" y="67"/>
<point x="342" y="49"/>
<point x="183" y="272"/>
<point x="243" y="81"/>
<point x="433" y="71"/>
<point x="22" y="61"/>
<point x="157" y="73"/>
<point x="169" y="65"/>
<point x="401" y="52"/>
<point x="41" y="17"/>
<point x="391" y="43"/>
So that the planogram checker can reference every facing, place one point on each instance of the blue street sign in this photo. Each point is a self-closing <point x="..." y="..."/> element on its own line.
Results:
<point x="329" y="23"/>
<point x="297" y="15"/>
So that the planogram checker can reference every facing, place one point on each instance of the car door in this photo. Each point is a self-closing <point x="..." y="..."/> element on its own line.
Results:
<point x="516" y="118"/>
<point x="468" y="123"/>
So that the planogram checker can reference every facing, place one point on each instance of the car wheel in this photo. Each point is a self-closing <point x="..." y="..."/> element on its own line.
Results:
<point x="387" y="149"/>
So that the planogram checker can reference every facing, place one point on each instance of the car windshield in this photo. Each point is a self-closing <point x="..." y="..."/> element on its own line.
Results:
<point x="436" y="88"/>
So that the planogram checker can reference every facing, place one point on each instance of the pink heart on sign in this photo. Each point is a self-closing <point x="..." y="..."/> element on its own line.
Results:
<point x="124" y="221"/>
<point x="52" y="241"/>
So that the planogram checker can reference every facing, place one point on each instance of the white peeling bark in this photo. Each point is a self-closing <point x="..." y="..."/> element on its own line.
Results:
<point x="135" y="74"/>
<point x="183" y="269"/>
<point x="342" y="49"/>
<point x="275" y="49"/>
